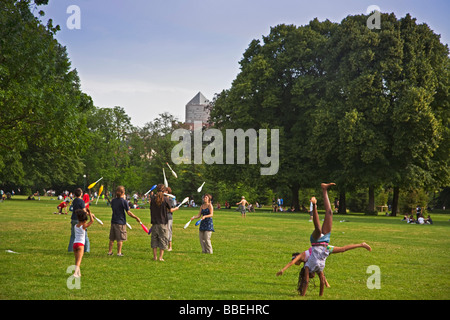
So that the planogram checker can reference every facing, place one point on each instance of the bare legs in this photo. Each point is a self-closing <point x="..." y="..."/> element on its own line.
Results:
<point x="305" y="274"/>
<point x="119" y="247"/>
<point x="78" y="257"/>
<point x="328" y="222"/>
<point x="318" y="231"/>
<point x="155" y="254"/>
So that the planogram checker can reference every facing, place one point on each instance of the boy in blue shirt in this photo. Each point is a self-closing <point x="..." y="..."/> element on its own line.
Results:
<point x="118" y="231"/>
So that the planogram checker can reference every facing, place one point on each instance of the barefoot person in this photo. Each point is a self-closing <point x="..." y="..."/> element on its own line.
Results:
<point x="242" y="205"/>
<point x="299" y="258"/>
<point x="118" y="231"/>
<point x="80" y="237"/>
<point x="320" y="239"/>
<point x="206" y="225"/>
<point x="77" y="203"/>
<point x="160" y="207"/>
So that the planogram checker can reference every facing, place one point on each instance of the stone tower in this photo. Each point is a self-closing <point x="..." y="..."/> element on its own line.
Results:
<point x="197" y="110"/>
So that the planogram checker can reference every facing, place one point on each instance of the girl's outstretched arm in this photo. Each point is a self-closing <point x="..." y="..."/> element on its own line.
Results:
<point x="91" y="219"/>
<point x="351" y="247"/>
<point x="291" y="263"/>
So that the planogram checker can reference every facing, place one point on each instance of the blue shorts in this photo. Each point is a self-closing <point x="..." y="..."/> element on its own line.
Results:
<point x="323" y="238"/>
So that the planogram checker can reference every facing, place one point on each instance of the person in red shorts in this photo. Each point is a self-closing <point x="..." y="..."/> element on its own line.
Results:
<point x="80" y="237"/>
<point x="86" y="199"/>
<point x="61" y="206"/>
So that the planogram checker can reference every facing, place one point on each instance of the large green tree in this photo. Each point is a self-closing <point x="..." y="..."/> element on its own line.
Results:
<point x="108" y="153"/>
<point x="279" y="86"/>
<point x="353" y="119"/>
<point x="420" y="111"/>
<point x="360" y="107"/>
<point x="42" y="121"/>
<point x="381" y="119"/>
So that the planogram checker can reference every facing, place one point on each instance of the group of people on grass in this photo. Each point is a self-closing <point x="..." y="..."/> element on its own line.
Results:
<point x="420" y="219"/>
<point x="161" y="209"/>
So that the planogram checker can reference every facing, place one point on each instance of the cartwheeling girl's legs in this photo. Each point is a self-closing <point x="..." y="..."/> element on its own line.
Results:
<point x="328" y="222"/>
<point x="317" y="230"/>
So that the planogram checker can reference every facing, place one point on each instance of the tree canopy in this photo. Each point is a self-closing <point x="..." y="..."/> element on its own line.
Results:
<point x="43" y="122"/>
<point x="358" y="106"/>
<point x="365" y="108"/>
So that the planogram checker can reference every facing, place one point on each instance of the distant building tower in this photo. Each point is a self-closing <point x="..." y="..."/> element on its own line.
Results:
<point x="197" y="110"/>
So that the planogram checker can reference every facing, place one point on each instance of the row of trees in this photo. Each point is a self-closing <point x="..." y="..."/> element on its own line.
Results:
<point x="51" y="133"/>
<point x="364" y="108"/>
<point x="367" y="109"/>
<point x="135" y="157"/>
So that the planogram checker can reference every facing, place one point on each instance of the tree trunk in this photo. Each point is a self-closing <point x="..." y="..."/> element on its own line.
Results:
<point x="342" y="205"/>
<point x="371" y="205"/>
<point x="395" y="201"/>
<point x="295" y="201"/>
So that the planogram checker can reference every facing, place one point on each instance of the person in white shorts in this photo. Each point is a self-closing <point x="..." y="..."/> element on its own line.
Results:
<point x="314" y="258"/>
<point x="299" y="258"/>
<point x="320" y="239"/>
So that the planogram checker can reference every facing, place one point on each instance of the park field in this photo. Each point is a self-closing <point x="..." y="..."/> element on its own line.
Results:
<point x="413" y="260"/>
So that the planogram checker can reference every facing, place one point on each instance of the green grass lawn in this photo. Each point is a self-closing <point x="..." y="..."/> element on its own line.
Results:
<point x="413" y="259"/>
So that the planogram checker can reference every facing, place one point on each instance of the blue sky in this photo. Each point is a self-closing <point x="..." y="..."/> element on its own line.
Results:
<point x="153" y="56"/>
